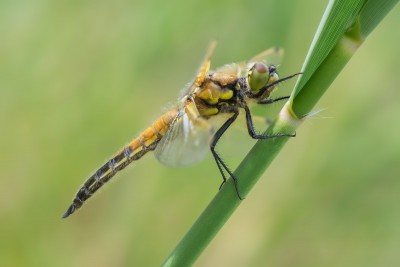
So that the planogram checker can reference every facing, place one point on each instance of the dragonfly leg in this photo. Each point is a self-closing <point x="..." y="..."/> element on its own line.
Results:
<point x="253" y="134"/>
<point x="270" y="101"/>
<point x="220" y="163"/>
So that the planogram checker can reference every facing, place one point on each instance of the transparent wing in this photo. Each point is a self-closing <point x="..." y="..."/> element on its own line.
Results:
<point x="202" y="74"/>
<point x="187" y="139"/>
<point x="271" y="56"/>
<point x="233" y="68"/>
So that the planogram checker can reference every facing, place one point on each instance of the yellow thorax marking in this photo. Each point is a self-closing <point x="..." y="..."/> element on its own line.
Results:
<point x="212" y="93"/>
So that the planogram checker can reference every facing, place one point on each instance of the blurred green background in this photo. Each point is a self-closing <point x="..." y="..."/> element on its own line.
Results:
<point x="79" y="79"/>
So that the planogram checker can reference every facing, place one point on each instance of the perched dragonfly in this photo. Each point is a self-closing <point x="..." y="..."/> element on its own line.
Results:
<point x="183" y="135"/>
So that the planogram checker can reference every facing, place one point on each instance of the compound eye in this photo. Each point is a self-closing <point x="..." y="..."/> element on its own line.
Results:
<point x="258" y="76"/>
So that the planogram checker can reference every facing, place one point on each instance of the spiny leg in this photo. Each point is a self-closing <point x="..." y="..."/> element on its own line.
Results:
<point x="269" y="85"/>
<point x="222" y="173"/>
<point x="270" y="101"/>
<point x="253" y="134"/>
<point x="266" y="102"/>
<point x="221" y="165"/>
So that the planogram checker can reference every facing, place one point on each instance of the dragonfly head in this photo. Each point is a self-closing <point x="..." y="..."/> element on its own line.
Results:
<point x="259" y="75"/>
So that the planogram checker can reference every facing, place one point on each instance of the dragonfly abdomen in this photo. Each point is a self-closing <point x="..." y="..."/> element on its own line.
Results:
<point x="145" y="142"/>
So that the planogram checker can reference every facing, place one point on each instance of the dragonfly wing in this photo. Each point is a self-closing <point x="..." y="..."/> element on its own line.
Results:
<point x="202" y="74"/>
<point x="233" y="68"/>
<point x="186" y="141"/>
<point x="271" y="56"/>
<point x="205" y="67"/>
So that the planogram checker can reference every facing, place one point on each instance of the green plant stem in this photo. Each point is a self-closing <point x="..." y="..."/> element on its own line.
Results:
<point x="226" y="201"/>
<point x="323" y="77"/>
<point x="347" y="32"/>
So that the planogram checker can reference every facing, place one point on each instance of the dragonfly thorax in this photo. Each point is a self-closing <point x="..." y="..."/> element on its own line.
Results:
<point x="216" y="90"/>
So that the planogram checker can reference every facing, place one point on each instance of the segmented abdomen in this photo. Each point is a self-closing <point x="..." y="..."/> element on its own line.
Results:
<point x="145" y="142"/>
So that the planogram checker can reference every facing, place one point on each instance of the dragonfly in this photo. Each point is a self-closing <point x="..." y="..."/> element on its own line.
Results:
<point x="183" y="135"/>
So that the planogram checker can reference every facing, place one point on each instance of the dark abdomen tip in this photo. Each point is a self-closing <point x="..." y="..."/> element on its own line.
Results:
<point x="70" y="210"/>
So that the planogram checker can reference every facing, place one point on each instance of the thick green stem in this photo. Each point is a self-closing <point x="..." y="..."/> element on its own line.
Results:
<point x="315" y="87"/>
<point x="226" y="201"/>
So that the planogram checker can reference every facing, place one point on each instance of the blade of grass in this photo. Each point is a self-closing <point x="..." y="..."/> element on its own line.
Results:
<point x="343" y="25"/>
<point x="309" y="91"/>
<point x="337" y="17"/>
